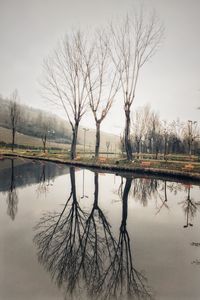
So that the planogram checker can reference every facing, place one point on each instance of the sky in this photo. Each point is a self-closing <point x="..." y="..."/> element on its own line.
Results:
<point x="170" y="82"/>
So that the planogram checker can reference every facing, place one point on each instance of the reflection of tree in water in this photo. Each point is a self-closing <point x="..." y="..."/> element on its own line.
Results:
<point x="80" y="251"/>
<point x="60" y="240"/>
<point x="44" y="181"/>
<point x="98" y="241"/>
<point x="121" y="279"/>
<point x="12" y="198"/>
<point x="189" y="206"/>
<point x="144" y="188"/>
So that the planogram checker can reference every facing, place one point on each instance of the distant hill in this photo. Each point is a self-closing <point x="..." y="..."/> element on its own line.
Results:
<point x="27" y="140"/>
<point x="30" y="128"/>
<point x="33" y="120"/>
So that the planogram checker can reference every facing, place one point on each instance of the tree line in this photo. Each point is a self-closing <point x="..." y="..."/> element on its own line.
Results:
<point x="150" y="134"/>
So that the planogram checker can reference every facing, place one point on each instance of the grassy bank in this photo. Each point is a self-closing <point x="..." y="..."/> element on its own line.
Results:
<point x="170" y="168"/>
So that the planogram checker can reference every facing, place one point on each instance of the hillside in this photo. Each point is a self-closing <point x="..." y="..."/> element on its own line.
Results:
<point x="31" y="126"/>
<point x="26" y="140"/>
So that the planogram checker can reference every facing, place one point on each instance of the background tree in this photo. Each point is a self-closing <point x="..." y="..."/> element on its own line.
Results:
<point x="65" y="80"/>
<point x="46" y="131"/>
<point x="155" y="133"/>
<point x="134" y="42"/>
<point x="190" y="133"/>
<point x="107" y="147"/>
<point x="175" y="138"/>
<point x="140" y="125"/>
<point x="14" y="115"/>
<point x="166" y="133"/>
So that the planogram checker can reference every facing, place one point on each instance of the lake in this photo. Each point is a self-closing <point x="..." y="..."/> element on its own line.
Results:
<point x="70" y="233"/>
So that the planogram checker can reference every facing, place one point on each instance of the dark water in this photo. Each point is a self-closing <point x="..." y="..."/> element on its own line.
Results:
<point x="70" y="233"/>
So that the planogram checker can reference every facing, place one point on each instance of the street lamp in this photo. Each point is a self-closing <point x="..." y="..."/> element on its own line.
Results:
<point x="84" y="141"/>
<point x="190" y="124"/>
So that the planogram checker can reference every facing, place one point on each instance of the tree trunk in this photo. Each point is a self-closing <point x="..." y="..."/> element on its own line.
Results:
<point x="74" y="141"/>
<point x="127" y="140"/>
<point x="44" y="140"/>
<point x="156" y="150"/>
<point x="13" y="138"/>
<point x="138" y="149"/>
<point x="165" y="149"/>
<point x="97" y="139"/>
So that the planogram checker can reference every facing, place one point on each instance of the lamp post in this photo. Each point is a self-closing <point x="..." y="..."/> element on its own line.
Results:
<point x="190" y="124"/>
<point x="84" y="141"/>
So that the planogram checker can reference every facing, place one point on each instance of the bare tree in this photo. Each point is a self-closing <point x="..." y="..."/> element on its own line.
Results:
<point x="107" y="146"/>
<point x="140" y="124"/>
<point x="190" y="133"/>
<point x="65" y="80"/>
<point x="155" y="133"/>
<point x="46" y="130"/>
<point x="175" y="139"/>
<point x="134" y="41"/>
<point x="14" y="115"/>
<point x="166" y="133"/>
<point x="102" y="84"/>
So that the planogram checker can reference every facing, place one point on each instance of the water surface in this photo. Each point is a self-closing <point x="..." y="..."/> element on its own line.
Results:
<point x="69" y="233"/>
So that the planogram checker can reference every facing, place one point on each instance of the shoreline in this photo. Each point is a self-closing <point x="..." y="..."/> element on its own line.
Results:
<point x="111" y="167"/>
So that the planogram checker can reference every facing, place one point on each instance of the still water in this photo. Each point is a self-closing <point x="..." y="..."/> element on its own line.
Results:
<point x="69" y="233"/>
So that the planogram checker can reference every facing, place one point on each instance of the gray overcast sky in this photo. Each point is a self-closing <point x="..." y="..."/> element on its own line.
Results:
<point x="30" y="30"/>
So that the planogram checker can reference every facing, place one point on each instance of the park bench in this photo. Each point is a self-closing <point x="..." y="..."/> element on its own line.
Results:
<point x="78" y="158"/>
<point x="145" y="163"/>
<point x="188" y="167"/>
<point x="102" y="159"/>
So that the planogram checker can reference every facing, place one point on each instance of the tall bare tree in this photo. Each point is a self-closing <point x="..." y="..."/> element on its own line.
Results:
<point x="14" y="115"/>
<point x="65" y="80"/>
<point x="134" y="41"/>
<point x="103" y="82"/>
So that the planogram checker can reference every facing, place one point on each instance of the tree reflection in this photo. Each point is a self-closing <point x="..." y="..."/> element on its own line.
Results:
<point x="44" y="181"/>
<point x="98" y="240"/>
<point x="12" y="198"/>
<point x="82" y="254"/>
<point x="121" y="279"/>
<point x="60" y="241"/>
<point x="144" y="188"/>
<point x="189" y="207"/>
